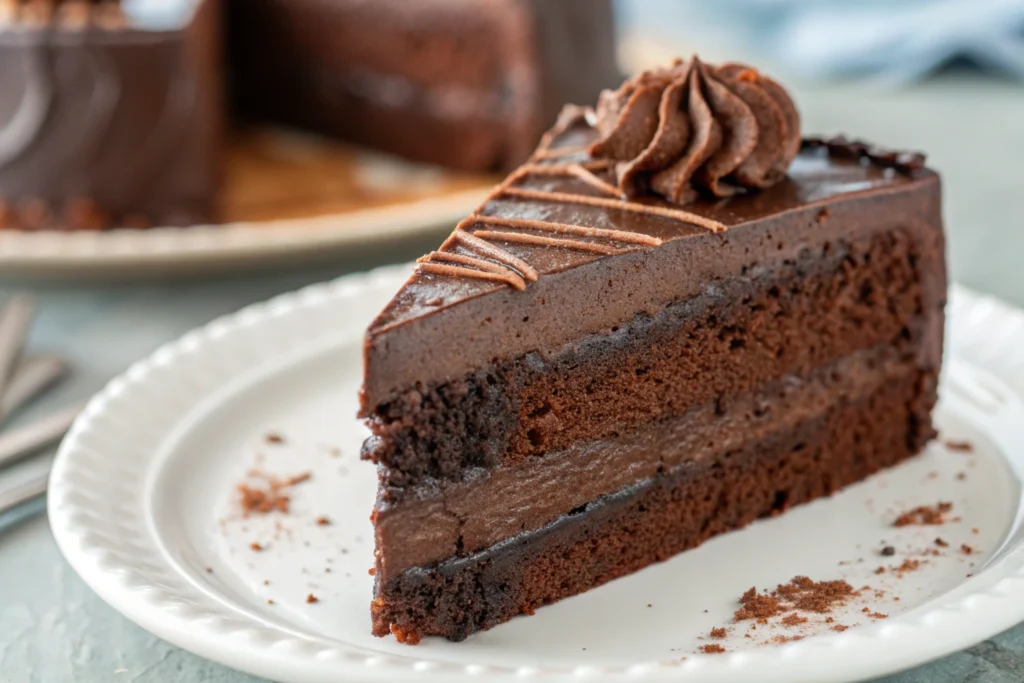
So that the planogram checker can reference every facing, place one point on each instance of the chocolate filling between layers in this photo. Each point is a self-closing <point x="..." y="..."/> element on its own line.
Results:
<point x="741" y="332"/>
<point x="468" y="517"/>
<point x="657" y="518"/>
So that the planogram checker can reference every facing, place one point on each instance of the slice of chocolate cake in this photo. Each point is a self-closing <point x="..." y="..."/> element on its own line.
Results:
<point x="677" y="318"/>
<point x="110" y="113"/>
<point x="466" y="84"/>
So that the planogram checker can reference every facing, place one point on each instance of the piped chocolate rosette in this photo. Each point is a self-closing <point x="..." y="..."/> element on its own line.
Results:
<point x="695" y="129"/>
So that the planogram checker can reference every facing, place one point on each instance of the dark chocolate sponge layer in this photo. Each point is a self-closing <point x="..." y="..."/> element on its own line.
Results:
<point x="622" y="533"/>
<point x="831" y="301"/>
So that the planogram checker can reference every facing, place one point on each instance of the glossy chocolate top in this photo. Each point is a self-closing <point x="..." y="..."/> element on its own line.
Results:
<point x="555" y="252"/>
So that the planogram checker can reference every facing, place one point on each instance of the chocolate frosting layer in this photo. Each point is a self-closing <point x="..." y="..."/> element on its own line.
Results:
<point x="696" y="128"/>
<point x="825" y="196"/>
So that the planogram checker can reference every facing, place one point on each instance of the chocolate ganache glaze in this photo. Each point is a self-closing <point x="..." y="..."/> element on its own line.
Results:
<point x="560" y="223"/>
<point x="697" y="128"/>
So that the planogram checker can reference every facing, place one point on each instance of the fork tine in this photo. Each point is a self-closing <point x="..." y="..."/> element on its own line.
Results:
<point x="23" y="441"/>
<point x="14" y="498"/>
<point x="15" y="319"/>
<point x="30" y="376"/>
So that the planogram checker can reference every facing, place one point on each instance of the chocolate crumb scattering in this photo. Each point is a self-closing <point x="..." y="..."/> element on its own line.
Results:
<point x="924" y="515"/>
<point x="269" y="497"/>
<point x="839" y="628"/>
<point x="888" y="551"/>
<point x="712" y="649"/>
<point x="966" y="549"/>
<point x="269" y="601"/>
<point x="757" y="606"/>
<point x="815" y="596"/>
<point x="209" y="570"/>
<point x="718" y="632"/>
<point x="274" y="437"/>
<point x="909" y="565"/>
<point x="793" y="619"/>
<point x="960" y="446"/>
<point x="880" y="570"/>
<point x="941" y="543"/>
<point x="779" y="640"/>
<point x="323" y="521"/>
<point x="373" y="571"/>
<point x="975" y="531"/>
<point x="801" y="594"/>
<point x="255" y="547"/>
<point x="312" y="599"/>
<point x="878" y="615"/>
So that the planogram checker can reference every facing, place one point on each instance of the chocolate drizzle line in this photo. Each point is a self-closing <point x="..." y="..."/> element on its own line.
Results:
<point x="497" y="253"/>
<point x="507" y="276"/>
<point x="466" y="260"/>
<point x="577" y="171"/>
<point x="527" y="238"/>
<point x="633" y="207"/>
<point x="493" y="263"/>
<point x="586" y="231"/>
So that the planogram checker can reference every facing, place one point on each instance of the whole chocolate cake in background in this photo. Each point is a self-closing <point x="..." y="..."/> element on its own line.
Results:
<point x="678" y="317"/>
<point x="462" y="83"/>
<point x="112" y="114"/>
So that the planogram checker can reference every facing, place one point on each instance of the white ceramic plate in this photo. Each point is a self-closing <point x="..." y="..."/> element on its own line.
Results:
<point x="144" y="506"/>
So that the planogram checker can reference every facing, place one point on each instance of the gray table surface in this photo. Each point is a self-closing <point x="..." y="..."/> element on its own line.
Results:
<point x="53" y="629"/>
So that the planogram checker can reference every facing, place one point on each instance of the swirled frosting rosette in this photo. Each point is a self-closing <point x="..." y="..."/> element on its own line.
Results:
<point x="697" y="130"/>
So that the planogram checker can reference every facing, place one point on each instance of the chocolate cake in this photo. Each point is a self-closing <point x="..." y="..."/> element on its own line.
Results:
<point x="676" y="318"/>
<point x="463" y="83"/>
<point x="109" y="114"/>
<point x="112" y="113"/>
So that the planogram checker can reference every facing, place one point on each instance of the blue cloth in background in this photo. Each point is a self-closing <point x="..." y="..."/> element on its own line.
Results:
<point x="893" y="40"/>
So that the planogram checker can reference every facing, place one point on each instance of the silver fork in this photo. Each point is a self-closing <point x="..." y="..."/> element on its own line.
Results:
<point x="15" y="499"/>
<point x="22" y="378"/>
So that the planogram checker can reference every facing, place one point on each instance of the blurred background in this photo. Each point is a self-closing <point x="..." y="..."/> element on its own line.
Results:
<point x="945" y="77"/>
